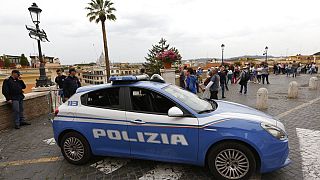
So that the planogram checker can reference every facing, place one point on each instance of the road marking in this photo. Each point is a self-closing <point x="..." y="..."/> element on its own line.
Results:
<point x="297" y="108"/>
<point x="109" y="165"/>
<point x="50" y="141"/>
<point x="31" y="161"/>
<point x="164" y="171"/>
<point x="309" y="149"/>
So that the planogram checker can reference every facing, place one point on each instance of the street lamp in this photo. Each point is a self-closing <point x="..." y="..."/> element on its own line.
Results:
<point x="222" y="49"/>
<point x="39" y="35"/>
<point x="266" y="53"/>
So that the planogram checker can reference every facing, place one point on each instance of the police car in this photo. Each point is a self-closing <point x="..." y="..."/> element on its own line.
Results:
<point x="139" y="118"/>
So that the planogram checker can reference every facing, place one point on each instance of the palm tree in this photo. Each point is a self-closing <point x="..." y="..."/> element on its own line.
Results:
<point x="100" y="11"/>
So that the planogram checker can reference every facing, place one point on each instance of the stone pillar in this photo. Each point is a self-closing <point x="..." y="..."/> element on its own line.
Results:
<point x="313" y="84"/>
<point x="293" y="90"/>
<point x="168" y="75"/>
<point x="262" y="98"/>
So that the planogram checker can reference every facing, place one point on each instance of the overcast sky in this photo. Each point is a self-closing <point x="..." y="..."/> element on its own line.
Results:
<point x="196" y="27"/>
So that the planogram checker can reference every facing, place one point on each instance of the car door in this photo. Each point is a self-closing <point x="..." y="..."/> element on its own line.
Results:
<point x="102" y="118"/>
<point x="155" y="135"/>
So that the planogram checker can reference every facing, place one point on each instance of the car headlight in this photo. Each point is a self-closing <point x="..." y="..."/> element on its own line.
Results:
<point x="275" y="131"/>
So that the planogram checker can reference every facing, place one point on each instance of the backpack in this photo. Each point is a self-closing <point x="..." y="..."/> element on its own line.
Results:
<point x="246" y="76"/>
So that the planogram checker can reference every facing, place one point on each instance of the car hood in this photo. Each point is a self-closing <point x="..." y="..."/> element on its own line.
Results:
<point x="231" y="110"/>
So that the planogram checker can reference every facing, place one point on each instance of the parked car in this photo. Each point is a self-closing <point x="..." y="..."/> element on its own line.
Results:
<point x="139" y="118"/>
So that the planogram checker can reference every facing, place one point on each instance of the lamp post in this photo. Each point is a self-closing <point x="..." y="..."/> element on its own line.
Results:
<point x="266" y="53"/>
<point x="222" y="49"/>
<point x="39" y="35"/>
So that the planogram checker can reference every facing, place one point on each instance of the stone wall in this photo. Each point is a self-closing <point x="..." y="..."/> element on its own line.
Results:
<point x="35" y="105"/>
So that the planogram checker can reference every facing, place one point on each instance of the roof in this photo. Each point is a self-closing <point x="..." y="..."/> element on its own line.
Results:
<point x="317" y="54"/>
<point x="144" y="84"/>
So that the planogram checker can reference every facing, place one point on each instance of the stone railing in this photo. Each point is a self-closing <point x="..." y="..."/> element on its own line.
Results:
<point x="35" y="104"/>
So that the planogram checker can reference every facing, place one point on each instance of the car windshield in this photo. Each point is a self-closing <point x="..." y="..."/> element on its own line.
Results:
<point x="190" y="99"/>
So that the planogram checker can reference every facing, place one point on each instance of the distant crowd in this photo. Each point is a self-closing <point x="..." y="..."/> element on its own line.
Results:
<point x="216" y="79"/>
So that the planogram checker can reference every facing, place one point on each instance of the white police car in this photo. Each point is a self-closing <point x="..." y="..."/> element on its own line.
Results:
<point x="158" y="121"/>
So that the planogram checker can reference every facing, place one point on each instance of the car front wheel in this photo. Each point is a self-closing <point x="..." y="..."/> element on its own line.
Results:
<point x="75" y="148"/>
<point x="231" y="160"/>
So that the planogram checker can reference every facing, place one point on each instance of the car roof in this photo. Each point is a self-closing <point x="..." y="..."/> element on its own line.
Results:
<point x="143" y="84"/>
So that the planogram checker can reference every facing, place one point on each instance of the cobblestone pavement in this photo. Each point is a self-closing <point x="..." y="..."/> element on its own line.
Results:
<point x="31" y="153"/>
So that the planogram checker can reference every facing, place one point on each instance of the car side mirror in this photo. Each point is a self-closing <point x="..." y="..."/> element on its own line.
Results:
<point x="175" y="112"/>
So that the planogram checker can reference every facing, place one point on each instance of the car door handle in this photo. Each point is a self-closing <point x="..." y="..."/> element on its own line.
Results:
<point x="137" y="121"/>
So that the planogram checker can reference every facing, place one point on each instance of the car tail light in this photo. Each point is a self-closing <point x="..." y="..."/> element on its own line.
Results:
<point x="56" y="112"/>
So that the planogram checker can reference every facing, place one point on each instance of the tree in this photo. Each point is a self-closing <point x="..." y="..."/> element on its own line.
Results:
<point x="7" y="62"/>
<point x="100" y="11"/>
<point x="24" y="61"/>
<point x="153" y="65"/>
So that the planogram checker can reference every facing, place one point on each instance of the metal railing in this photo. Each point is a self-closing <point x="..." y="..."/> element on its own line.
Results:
<point x="54" y="101"/>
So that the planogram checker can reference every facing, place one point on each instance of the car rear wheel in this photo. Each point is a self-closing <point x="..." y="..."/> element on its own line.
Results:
<point x="231" y="160"/>
<point x="75" y="148"/>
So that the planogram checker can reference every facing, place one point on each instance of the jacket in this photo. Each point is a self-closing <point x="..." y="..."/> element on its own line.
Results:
<point x="12" y="89"/>
<point x="70" y="86"/>
<point x="192" y="83"/>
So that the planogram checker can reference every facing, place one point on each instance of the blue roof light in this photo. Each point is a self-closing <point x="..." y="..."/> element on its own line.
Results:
<point x="129" y="78"/>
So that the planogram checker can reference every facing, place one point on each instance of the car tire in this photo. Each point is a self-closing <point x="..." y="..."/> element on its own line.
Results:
<point x="231" y="160"/>
<point x="75" y="148"/>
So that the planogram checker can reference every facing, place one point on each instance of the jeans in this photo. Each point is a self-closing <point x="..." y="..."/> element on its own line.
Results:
<point x="17" y="106"/>
<point x="222" y="89"/>
<point x="265" y="77"/>
<point x="245" y="85"/>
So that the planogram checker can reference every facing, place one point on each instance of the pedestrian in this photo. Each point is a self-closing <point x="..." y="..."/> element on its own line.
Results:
<point x="191" y="81"/>
<point x="244" y="78"/>
<point x="289" y="68"/>
<point x="229" y="75"/>
<point x="223" y="80"/>
<point x="12" y="89"/>
<point x="70" y="84"/>
<point x="59" y="82"/>
<point x="182" y="78"/>
<point x="265" y="74"/>
<point x="259" y="73"/>
<point x="294" y="69"/>
<point x="213" y="85"/>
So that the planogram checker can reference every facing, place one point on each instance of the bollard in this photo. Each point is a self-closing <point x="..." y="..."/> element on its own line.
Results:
<point x="293" y="90"/>
<point x="262" y="98"/>
<point x="313" y="84"/>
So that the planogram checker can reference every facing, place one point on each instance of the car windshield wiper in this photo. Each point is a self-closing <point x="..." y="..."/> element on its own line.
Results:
<point x="206" y="111"/>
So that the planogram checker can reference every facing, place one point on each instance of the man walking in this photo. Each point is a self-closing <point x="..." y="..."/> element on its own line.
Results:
<point x="244" y="78"/>
<point x="265" y="74"/>
<point x="59" y="80"/>
<point x="70" y="84"/>
<point x="12" y="89"/>
<point x="223" y="80"/>
<point x="213" y="85"/>
<point x="294" y="69"/>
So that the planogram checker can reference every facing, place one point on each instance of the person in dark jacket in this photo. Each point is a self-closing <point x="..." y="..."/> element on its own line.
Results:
<point x="12" y="89"/>
<point x="59" y="80"/>
<point x="70" y="84"/>
<point x="223" y="80"/>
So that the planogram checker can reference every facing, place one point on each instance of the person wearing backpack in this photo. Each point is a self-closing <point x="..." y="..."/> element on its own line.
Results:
<point x="244" y="78"/>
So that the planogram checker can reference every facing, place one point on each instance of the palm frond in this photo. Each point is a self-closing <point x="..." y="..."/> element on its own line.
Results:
<point x="111" y="17"/>
<point x="97" y="20"/>
<point x="92" y="18"/>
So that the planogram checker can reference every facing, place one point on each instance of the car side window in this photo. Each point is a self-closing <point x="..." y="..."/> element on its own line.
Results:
<point x="104" y="98"/>
<point x="143" y="100"/>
